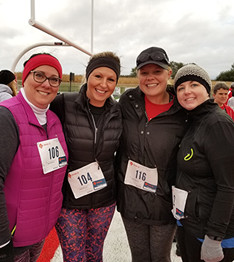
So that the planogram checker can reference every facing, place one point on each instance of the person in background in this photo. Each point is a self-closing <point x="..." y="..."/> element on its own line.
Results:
<point x="204" y="192"/>
<point x="92" y="125"/>
<point x="220" y="94"/>
<point x="153" y="126"/>
<point x="33" y="160"/>
<point x="8" y="85"/>
<point x="231" y="99"/>
<point x="230" y="93"/>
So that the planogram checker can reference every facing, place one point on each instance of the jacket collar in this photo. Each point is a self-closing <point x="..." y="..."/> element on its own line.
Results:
<point x="136" y="97"/>
<point x="202" y="109"/>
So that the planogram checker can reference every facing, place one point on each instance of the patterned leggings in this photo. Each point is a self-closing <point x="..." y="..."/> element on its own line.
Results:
<point x="29" y="255"/>
<point x="82" y="233"/>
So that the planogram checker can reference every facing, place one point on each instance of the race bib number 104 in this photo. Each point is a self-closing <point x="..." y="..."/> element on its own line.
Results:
<point x="86" y="180"/>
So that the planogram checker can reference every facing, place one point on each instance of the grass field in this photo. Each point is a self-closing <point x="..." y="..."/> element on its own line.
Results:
<point x="124" y="82"/>
<point x="66" y="86"/>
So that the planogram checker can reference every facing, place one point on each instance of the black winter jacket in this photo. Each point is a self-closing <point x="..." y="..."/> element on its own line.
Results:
<point x="208" y="174"/>
<point x="151" y="143"/>
<point x="86" y="145"/>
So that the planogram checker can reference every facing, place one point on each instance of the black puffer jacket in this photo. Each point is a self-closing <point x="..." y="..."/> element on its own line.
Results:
<point x="73" y="111"/>
<point x="208" y="173"/>
<point x="149" y="143"/>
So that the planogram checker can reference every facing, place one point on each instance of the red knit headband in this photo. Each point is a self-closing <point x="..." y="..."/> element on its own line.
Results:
<point x="38" y="60"/>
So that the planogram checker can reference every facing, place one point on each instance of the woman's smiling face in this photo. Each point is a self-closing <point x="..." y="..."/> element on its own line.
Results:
<point x="41" y="94"/>
<point x="191" y="94"/>
<point x="100" y="85"/>
<point x="153" y="81"/>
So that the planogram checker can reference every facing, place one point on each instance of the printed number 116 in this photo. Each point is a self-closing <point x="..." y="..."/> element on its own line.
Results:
<point x="141" y="175"/>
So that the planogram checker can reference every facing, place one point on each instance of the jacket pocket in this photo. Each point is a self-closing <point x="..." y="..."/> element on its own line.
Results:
<point x="192" y="207"/>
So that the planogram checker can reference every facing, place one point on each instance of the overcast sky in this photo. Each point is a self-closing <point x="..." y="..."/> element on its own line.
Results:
<point x="200" y="31"/>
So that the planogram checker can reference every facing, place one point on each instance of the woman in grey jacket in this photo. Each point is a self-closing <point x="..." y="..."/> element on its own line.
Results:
<point x="92" y="126"/>
<point x="153" y="125"/>
<point x="8" y="85"/>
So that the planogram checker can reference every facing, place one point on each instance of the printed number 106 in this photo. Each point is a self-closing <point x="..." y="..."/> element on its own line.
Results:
<point x="53" y="152"/>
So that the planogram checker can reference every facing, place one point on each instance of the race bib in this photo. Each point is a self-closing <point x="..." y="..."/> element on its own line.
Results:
<point x="52" y="155"/>
<point x="141" y="177"/>
<point x="179" y="198"/>
<point x="86" y="180"/>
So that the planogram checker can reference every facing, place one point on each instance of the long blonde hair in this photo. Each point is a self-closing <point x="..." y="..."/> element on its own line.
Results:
<point x="13" y="86"/>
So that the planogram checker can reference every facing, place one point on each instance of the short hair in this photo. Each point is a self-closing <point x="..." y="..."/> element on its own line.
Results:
<point x="220" y="85"/>
<point x="104" y="59"/>
<point x="106" y="54"/>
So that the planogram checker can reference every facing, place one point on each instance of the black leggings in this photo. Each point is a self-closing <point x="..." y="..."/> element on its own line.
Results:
<point x="149" y="242"/>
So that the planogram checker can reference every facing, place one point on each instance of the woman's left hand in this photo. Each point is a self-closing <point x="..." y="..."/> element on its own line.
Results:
<point x="211" y="250"/>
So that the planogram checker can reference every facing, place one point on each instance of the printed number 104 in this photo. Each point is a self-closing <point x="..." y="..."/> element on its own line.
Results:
<point x="84" y="179"/>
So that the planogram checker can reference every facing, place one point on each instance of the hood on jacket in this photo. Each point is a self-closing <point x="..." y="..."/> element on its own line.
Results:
<point x="5" y="92"/>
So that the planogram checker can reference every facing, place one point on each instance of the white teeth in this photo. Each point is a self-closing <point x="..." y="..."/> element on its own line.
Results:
<point x="152" y="85"/>
<point x="189" y="99"/>
<point x="100" y="91"/>
<point x="42" y="93"/>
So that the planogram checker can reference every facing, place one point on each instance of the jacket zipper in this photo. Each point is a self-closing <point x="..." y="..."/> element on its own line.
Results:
<point x="95" y="129"/>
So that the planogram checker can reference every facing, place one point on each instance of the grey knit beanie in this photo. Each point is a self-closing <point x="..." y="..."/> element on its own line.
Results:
<point x="193" y="72"/>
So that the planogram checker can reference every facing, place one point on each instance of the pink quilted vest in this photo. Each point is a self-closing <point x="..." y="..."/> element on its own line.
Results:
<point x="33" y="199"/>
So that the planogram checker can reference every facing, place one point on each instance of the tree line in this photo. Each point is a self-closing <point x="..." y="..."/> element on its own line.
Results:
<point x="223" y="76"/>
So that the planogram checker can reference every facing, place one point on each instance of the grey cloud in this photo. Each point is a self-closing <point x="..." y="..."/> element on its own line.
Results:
<point x="127" y="27"/>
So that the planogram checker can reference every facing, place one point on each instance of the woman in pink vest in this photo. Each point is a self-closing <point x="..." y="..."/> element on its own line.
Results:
<point x="33" y="160"/>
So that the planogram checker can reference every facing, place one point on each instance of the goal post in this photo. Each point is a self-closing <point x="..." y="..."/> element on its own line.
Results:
<point x="34" y="46"/>
<point x="36" y="24"/>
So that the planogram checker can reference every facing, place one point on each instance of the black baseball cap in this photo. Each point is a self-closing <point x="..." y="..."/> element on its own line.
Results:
<point x="153" y="55"/>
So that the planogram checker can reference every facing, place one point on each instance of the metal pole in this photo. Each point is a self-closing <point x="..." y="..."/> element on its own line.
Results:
<point x="50" y="32"/>
<point x="91" y="26"/>
<point x="33" y="9"/>
<point x="33" y="22"/>
<point x="33" y="46"/>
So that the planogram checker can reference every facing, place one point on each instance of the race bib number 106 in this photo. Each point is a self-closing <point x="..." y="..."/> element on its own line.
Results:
<point x="52" y="155"/>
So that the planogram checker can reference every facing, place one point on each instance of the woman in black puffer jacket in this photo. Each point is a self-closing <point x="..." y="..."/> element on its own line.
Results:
<point x="92" y="126"/>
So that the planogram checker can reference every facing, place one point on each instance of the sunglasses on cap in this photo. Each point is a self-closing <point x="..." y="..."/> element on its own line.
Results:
<point x="157" y="57"/>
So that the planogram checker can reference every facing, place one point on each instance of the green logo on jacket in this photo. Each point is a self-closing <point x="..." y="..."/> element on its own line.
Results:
<point x="189" y="156"/>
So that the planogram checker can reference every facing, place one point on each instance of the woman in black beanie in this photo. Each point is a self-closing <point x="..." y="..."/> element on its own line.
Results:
<point x="8" y="85"/>
<point x="92" y="125"/>
<point x="204" y="192"/>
